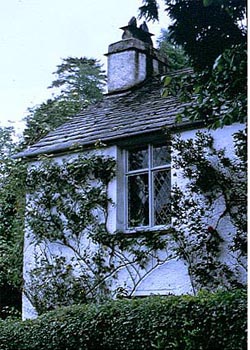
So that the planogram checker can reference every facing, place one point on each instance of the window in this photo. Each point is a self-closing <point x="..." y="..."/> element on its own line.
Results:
<point x="148" y="184"/>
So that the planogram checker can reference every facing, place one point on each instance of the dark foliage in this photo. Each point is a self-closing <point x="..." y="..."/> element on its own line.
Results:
<point x="176" y="57"/>
<point x="209" y="321"/>
<point x="12" y="194"/>
<point x="204" y="28"/>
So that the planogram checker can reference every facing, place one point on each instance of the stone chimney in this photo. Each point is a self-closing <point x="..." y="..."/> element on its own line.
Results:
<point x="133" y="59"/>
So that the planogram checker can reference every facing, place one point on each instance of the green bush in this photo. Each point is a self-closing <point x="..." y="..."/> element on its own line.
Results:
<point x="208" y="321"/>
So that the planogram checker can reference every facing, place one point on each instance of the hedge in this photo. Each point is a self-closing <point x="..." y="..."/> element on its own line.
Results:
<point x="208" y="321"/>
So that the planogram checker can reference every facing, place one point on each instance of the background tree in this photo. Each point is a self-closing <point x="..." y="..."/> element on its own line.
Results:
<point x="213" y="35"/>
<point x="79" y="82"/>
<point x="12" y="178"/>
<point x="217" y="97"/>
<point x="177" y="59"/>
<point x="204" y="28"/>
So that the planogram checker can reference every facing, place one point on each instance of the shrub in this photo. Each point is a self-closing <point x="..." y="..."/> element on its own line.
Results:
<point x="208" y="321"/>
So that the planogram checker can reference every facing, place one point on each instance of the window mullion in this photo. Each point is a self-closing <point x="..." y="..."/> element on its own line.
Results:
<point x="146" y="175"/>
<point x="150" y="184"/>
<point x="137" y="172"/>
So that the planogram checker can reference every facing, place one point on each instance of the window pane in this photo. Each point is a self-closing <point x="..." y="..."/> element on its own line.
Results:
<point x="138" y="202"/>
<point x="138" y="159"/>
<point x="162" y="187"/>
<point x="161" y="155"/>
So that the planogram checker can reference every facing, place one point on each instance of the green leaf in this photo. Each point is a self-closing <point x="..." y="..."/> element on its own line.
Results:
<point x="207" y="2"/>
<point x="178" y="119"/>
<point x="167" y="80"/>
<point x="165" y="93"/>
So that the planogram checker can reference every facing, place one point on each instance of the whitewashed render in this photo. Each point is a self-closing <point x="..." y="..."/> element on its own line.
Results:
<point x="131" y="114"/>
<point x="170" y="277"/>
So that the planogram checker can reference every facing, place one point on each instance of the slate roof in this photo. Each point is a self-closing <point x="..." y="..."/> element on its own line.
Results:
<point x="139" y="111"/>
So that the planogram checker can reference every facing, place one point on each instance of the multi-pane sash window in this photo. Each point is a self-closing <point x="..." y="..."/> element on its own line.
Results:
<point x="148" y="185"/>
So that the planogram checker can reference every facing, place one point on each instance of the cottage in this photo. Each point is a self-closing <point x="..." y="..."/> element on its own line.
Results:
<point x="130" y="126"/>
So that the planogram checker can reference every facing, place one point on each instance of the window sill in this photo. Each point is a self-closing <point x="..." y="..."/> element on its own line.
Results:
<point x="147" y="230"/>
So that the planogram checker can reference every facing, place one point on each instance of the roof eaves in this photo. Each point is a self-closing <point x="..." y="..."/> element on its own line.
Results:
<point x="78" y="145"/>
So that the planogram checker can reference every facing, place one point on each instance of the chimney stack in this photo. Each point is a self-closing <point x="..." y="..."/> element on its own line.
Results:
<point x="133" y="59"/>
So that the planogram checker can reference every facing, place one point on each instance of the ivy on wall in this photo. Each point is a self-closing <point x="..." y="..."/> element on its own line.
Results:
<point x="67" y="212"/>
<point x="209" y="213"/>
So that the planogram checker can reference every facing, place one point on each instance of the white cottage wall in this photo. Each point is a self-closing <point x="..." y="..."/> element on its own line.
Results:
<point x="165" y="275"/>
<point x="34" y="252"/>
<point x="223" y="139"/>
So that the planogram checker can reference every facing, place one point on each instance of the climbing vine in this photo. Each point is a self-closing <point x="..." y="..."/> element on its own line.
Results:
<point x="77" y="258"/>
<point x="209" y="212"/>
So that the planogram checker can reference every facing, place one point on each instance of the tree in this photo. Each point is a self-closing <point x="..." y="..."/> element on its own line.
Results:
<point x="79" y="82"/>
<point x="213" y="35"/>
<point x="177" y="58"/>
<point x="204" y="28"/>
<point x="12" y="197"/>
<point x="217" y="97"/>
<point x="79" y="78"/>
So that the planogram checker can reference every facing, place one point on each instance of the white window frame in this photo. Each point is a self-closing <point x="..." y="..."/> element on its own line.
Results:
<point x="150" y="170"/>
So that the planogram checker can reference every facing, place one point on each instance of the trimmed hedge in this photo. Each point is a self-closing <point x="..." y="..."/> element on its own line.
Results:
<point x="208" y="321"/>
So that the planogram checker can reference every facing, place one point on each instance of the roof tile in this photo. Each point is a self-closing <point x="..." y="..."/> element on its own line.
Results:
<point x="117" y="116"/>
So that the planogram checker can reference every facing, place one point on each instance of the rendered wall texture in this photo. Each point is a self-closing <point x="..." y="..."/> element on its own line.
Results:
<point x="128" y="69"/>
<point x="163" y="273"/>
